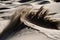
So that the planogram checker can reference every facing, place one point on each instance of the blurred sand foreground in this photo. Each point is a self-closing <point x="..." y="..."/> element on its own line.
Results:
<point x="27" y="33"/>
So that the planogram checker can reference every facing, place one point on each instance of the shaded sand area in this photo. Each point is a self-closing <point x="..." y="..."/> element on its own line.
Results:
<point x="29" y="34"/>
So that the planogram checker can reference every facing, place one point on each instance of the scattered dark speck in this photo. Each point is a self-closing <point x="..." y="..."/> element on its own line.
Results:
<point x="26" y="4"/>
<point x="57" y="0"/>
<point x="44" y="2"/>
<point x="5" y="17"/>
<point x="2" y="12"/>
<point x="4" y="0"/>
<point x="22" y="1"/>
<point x="8" y="3"/>
<point x="52" y="13"/>
<point x="4" y="8"/>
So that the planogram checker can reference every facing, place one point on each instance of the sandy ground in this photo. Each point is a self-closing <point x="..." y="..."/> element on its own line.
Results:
<point x="25" y="34"/>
